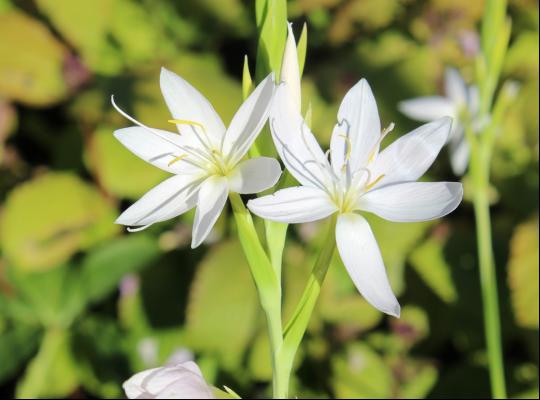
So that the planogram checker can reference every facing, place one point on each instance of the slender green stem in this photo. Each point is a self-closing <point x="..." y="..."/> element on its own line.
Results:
<point x="488" y="277"/>
<point x="268" y="286"/>
<point x="296" y="327"/>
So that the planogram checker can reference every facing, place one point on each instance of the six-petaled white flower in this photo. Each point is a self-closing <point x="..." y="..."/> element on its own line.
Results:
<point x="461" y="102"/>
<point x="183" y="381"/>
<point x="357" y="178"/>
<point x="206" y="159"/>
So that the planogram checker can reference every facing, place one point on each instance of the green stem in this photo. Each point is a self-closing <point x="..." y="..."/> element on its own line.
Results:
<point x="268" y="286"/>
<point x="296" y="327"/>
<point x="480" y="163"/>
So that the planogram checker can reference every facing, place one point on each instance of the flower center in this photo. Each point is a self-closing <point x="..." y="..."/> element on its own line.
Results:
<point x="206" y="156"/>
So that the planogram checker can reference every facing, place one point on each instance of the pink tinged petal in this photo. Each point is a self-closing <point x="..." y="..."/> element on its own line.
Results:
<point x="360" y="254"/>
<point x="133" y="387"/>
<point x="255" y="175"/>
<point x="159" y="150"/>
<point x="428" y="109"/>
<point x="409" y="157"/>
<point x="455" y="87"/>
<point x="187" y="103"/>
<point x="211" y="199"/>
<point x="179" y="383"/>
<point x="294" y="205"/>
<point x="249" y="120"/>
<point x="290" y="70"/>
<point x="296" y="145"/>
<point x="358" y="119"/>
<point x="170" y="198"/>
<point x="183" y="381"/>
<point x="413" y="201"/>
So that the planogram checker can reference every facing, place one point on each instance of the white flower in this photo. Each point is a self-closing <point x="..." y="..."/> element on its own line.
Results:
<point x="205" y="158"/>
<point x="461" y="102"/>
<point x="290" y="70"/>
<point x="358" y="178"/>
<point x="183" y="381"/>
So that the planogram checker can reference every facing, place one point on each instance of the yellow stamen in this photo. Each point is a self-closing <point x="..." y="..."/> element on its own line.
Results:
<point x="369" y="186"/>
<point x="384" y="132"/>
<point x="187" y="122"/>
<point x="176" y="159"/>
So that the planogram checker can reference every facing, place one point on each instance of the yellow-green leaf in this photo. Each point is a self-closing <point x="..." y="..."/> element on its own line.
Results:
<point x="47" y="219"/>
<point x="523" y="274"/>
<point x="31" y="61"/>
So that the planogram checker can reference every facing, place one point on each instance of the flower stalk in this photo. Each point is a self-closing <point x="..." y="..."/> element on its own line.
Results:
<point x="268" y="287"/>
<point x="495" y="34"/>
<point x="297" y="325"/>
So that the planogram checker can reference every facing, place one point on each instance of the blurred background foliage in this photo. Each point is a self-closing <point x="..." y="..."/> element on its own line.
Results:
<point x="84" y="305"/>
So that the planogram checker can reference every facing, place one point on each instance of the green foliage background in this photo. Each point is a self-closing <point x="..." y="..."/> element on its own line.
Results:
<point x="84" y="305"/>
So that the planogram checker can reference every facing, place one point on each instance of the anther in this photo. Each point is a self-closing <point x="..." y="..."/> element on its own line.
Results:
<point x="187" y="122"/>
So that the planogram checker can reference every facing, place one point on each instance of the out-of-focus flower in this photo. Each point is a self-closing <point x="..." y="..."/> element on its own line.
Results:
<point x="290" y="70"/>
<point x="183" y="381"/>
<point x="461" y="102"/>
<point x="206" y="158"/>
<point x="357" y="178"/>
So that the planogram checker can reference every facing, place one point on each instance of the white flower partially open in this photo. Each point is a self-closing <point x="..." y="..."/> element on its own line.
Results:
<point x="205" y="158"/>
<point x="461" y="102"/>
<point x="183" y="381"/>
<point x="357" y="178"/>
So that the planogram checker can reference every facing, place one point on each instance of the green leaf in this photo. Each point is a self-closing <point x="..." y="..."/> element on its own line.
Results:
<point x="48" y="219"/>
<point x="272" y="25"/>
<point x="104" y="267"/>
<point x="523" y="274"/>
<point x="31" y="61"/>
<point x="97" y="346"/>
<point x="16" y="346"/>
<point x="222" y="309"/>
<point x="429" y="261"/>
<point x="301" y="48"/>
<point x="361" y="373"/>
<point x="247" y="83"/>
<point x="53" y="372"/>
<point x="54" y="297"/>
<point x="419" y="385"/>
<point x="102" y="32"/>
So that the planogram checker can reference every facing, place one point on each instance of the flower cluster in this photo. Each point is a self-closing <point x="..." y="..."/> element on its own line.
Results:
<point x="208" y="161"/>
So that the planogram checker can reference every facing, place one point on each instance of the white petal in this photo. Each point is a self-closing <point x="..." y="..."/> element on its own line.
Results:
<point x="295" y="143"/>
<point x="358" y="119"/>
<point x="413" y="201"/>
<point x="249" y="120"/>
<point x="459" y="154"/>
<point x="172" y="197"/>
<point x="159" y="148"/>
<point x="362" y="258"/>
<point x="409" y="157"/>
<point x="133" y="386"/>
<point x="455" y="87"/>
<point x="255" y="175"/>
<point x="290" y="70"/>
<point x="179" y="382"/>
<point x="187" y="103"/>
<point x="211" y="199"/>
<point x="428" y="109"/>
<point x="294" y="205"/>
